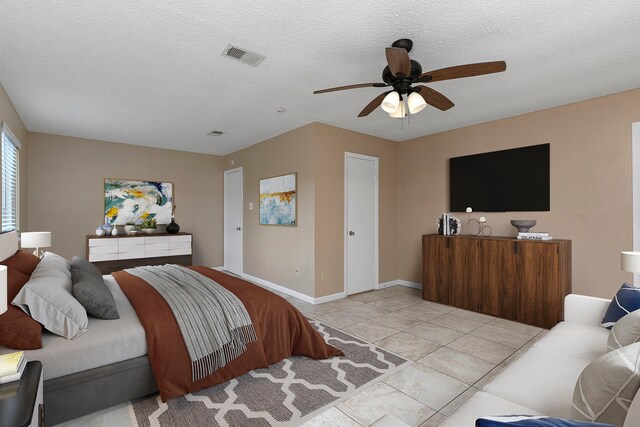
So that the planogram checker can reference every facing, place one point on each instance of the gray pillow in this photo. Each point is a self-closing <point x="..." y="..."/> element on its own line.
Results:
<point x="607" y="386"/>
<point x="47" y="298"/>
<point x="90" y="290"/>
<point x="84" y="265"/>
<point x="626" y="331"/>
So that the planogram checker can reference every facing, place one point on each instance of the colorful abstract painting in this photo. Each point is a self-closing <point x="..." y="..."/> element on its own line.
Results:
<point x="127" y="201"/>
<point x="278" y="200"/>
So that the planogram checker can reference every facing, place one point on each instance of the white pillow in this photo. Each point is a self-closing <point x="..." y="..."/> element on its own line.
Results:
<point x="626" y="331"/>
<point x="607" y="386"/>
<point x="47" y="298"/>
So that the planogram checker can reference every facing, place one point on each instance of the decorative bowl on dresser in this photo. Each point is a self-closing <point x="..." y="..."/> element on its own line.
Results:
<point x="113" y="253"/>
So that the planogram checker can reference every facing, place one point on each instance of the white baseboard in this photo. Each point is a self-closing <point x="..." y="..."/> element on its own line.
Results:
<point x="328" y="298"/>
<point x="387" y="284"/>
<point x="409" y="284"/>
<point x="319" y="300"/>
<point x="270" y="285"/>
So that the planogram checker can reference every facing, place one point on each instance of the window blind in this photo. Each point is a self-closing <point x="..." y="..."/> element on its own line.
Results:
<point x="10" y="174"/>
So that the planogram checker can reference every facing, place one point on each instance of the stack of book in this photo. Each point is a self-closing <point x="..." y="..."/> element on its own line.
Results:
<point x="12" y="366"/>
<point x="535" y="235"/>
<point x="446" y="224"/>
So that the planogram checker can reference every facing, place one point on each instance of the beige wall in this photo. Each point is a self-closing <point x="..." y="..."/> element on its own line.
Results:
<point x="9" y="115"/>
<point x="591" y="201"/>
<point x="272" y="253"/>
<point x="331" y="145"/>
<point x="66" y="189"/>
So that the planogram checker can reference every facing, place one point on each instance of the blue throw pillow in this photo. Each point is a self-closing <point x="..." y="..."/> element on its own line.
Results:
<point x="626" y="300"/>
<point x="533" y="421"/>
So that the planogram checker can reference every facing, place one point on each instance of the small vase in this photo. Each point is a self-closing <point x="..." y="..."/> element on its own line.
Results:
<point x="128" y="228"/>
<point x="172" y="227"/>
<point x="108" y="228"/>
<point x="115" y="231"/>
<point x="99" y="231"/>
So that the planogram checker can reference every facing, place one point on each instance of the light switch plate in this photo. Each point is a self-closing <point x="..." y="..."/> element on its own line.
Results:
<point x="250" y="206"/>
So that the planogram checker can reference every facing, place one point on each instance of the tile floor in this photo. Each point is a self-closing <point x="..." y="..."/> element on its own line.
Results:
<point x="454" y="352"/>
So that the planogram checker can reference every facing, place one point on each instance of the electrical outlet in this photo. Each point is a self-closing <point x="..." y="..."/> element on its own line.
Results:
<point x="323" y="275"/>
<point x="297" y="271"/>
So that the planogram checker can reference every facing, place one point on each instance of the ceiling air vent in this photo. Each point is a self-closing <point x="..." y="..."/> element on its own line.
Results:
<point x="243" y="55"/>
<point x="215" y="133"/>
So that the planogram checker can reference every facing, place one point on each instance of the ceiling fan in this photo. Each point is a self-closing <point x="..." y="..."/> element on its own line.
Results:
<point x="402" y="73"/>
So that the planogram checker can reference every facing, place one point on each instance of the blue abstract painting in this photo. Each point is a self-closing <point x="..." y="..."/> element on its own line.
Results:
<point x="278" y="200"/>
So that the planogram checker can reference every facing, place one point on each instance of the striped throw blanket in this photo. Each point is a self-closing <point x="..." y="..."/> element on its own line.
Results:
<point x="214" y="324"/>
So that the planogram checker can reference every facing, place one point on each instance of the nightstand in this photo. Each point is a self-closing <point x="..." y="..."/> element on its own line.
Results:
<point x="21" y="401"/>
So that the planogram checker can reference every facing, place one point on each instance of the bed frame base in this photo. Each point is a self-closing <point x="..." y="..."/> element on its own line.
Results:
<point x="75" y="395"/>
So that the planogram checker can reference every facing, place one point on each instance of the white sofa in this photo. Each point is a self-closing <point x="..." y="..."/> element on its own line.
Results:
<point x="542" y="380"/>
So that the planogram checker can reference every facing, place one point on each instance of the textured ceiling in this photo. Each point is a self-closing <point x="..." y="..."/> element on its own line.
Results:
<point x="150" y="72"/>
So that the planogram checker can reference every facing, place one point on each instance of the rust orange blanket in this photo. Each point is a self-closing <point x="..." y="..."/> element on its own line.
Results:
<point x="281" y="329"/>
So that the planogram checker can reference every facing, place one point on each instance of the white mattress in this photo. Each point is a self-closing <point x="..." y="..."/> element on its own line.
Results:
<point x="104" y="343"/>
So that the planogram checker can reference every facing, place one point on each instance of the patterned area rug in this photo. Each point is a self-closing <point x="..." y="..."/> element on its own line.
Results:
<point x="285" y="394"/>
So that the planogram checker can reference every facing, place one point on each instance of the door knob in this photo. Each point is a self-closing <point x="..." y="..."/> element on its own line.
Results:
<point x="238" y="228"/>
<point x="352" y="233"/>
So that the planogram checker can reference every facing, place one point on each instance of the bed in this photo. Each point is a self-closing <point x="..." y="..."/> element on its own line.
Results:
<point x="110" y="363"/>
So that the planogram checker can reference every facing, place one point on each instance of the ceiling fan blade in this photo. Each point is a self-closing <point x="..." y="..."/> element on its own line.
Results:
<point x="334" y="89"/>
<point x="373" y="104"/>
<point x="435" y="98"/>
<point x="398" y="60"/>
<point x="460" y="71"/>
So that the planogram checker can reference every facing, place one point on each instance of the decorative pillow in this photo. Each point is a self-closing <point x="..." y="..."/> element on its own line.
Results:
<point x="15" y="282"/>
<point x="17" y="330"/>
<point x="90" y="290"/>
<point x="607" y="386"/>
<point x="626" y="300"/>
<point x="52" y="263"/>
<point x="626" y="331"/>
<point x="23" y="261"/>
<point x="533" y="421"/>
<point x="47" y="298"/>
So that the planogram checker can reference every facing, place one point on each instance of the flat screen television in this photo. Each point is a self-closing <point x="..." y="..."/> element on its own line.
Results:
<point x="513" y="180"/>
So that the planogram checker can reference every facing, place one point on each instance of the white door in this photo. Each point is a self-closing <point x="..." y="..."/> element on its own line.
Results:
<point x="361" y="223"/>
<point x="233" y="221"/>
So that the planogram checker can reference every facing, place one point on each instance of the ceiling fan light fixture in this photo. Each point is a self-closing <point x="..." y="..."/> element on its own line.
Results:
<point x="416" y="103"/>
<point x="400" y="111"/>
<point x="391" y="101"/>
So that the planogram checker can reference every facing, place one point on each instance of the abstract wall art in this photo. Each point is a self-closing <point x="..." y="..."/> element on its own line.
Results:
<point x="128" y="201"/>
<point x="278" y="200"/>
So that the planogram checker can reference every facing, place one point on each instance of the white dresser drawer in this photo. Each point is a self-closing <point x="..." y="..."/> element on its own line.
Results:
<point x="180" y="245"/>
<point x="156" y="246"/>
<point x="156" y="239"/>
<point x="130" y="241"/>
<point x="102" y="257"/>
<point x="132" y="254"/>
<point x="175" y="239"/>
<point x="173" y="252"/>
<point x="103" y="242"/>
<point x="111" y="249"/>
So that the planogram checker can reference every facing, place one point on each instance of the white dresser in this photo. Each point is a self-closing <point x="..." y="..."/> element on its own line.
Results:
<point x="113" y="253"/>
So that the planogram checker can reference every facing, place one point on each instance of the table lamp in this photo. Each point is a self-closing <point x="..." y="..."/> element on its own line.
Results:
<point x="3" y="288"/>
<point x="630" y="262"/>
<point x="36" y="239"/>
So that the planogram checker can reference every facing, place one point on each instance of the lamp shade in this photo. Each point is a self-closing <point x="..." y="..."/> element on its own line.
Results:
<point x="390" y="102"/>
<point x="3" y="288"/>
<point x="35" y="239"/>
<point x="400" y="112"/>
<point x="416" y="103"/>
<point x="630" y="261"/>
